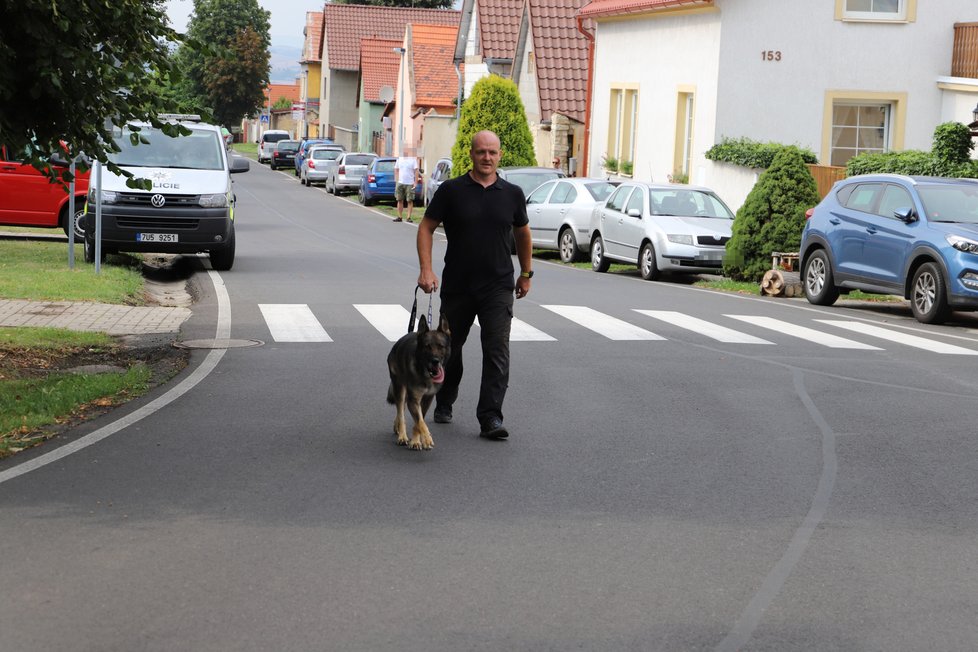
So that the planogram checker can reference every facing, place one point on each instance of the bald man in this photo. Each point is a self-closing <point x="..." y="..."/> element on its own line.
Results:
<point x="481" y="214"/>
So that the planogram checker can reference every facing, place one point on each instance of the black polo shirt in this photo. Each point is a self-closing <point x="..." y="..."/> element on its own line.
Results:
<point x="479" y="225"/>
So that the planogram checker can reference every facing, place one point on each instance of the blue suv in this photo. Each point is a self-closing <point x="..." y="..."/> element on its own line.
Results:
<point x="915" y="237"/>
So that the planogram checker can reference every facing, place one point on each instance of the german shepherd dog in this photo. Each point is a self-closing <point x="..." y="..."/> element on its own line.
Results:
<point x="417" y="367"/>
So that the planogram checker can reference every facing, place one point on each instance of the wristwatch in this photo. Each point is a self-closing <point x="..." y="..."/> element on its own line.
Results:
<point x="528" y="274"/>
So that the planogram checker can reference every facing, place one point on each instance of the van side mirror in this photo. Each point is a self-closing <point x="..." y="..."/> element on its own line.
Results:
<point x="905" y="214"/>
<point x="239" y="164"/>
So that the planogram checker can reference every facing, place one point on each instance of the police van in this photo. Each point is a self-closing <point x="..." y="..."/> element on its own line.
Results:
<point x="190" y="206"/>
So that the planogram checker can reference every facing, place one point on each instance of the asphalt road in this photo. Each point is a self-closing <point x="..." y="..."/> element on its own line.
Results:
<point x="681" y="488"/>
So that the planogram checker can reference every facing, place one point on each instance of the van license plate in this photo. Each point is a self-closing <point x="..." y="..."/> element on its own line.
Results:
<point x="157" y="237"/>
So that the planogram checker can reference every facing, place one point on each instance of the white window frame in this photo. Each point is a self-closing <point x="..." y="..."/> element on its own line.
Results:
<point x="906" y="13"/>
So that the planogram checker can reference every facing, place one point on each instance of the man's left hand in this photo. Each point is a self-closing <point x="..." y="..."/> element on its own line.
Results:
<point x="522" y="287"/>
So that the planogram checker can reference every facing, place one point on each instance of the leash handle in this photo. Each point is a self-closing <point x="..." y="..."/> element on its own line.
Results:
<point x="430" y="325"/>
<point x="414" y="310"/>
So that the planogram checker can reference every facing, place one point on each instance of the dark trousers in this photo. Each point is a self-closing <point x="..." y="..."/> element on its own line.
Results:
<point x="495" y="312"/>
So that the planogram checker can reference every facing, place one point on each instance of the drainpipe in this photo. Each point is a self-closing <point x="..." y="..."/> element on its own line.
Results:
<point x="587" y="96"/>
<point x="458" y="102"/>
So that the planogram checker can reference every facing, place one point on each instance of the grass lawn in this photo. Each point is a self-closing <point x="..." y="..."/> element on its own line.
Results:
<point x="38" y="393"/>
<point x="39" y="271"/>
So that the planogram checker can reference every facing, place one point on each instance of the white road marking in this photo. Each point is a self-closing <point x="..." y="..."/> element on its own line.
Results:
<point x="602" y="324"/>
<point x="703" y="327"/>
<point x="899" y="338"/>
<point x="520" y="331"/>
<point x="206" y="367"/>
<point x="801" y="332"/>
<point x="390" y="319"/>
<point x="293" y="322"/>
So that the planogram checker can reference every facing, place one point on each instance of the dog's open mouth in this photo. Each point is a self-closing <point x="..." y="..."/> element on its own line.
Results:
<point x="437" y="373"/>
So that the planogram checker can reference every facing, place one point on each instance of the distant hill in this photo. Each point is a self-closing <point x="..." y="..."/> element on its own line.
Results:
<point x="285" y="63"/>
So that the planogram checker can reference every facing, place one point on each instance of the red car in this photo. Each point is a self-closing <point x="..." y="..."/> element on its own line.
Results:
<point x="28" y="198"/>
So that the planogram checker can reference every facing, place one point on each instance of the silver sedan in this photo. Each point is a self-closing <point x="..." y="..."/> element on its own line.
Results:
<point x="675" y="228"/>
<point x="560" y="212"/>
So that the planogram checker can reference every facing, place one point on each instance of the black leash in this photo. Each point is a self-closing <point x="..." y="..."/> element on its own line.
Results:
<point x="414" y="310"/>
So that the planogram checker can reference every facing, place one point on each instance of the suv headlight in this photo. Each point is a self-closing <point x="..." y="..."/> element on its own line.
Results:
<point x="962" y="244"/>
<point x="213" y="201"/>
<point x="108" y="196"/>
<point x="680" y="239"/>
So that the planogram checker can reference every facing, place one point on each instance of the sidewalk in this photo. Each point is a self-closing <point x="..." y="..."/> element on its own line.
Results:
<point x="87" y="316"/>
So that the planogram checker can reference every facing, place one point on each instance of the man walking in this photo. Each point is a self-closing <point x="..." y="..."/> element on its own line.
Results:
<point x="406" y="178"/>
<point x="480" y="213"/>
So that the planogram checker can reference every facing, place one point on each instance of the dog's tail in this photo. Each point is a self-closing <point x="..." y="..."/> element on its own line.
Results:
<point x="390" y="394"/>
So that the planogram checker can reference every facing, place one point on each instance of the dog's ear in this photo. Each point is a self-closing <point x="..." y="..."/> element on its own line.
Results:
<point x="422" y="325"/>
<point x="443" y="324"/>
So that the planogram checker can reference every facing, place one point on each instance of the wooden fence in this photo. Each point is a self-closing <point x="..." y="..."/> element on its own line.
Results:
<point x="825" y="176"/>
<point x="964" y="57"/>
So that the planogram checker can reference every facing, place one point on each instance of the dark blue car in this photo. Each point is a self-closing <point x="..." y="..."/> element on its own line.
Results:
<point x="378" y="184"/>
<point x="915" y="237"/>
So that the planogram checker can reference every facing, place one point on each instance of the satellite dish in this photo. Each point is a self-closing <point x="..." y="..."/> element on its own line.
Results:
<point x="386" y="94"/>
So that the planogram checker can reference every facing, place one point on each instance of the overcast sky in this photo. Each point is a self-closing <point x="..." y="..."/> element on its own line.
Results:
<point x="288" y="18"/>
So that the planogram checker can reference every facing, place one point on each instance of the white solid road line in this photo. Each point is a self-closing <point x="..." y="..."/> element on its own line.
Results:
<point x="801" y="332"/>
<point x="602" y="324"/>
<point x="703" y="327"/>
<point x="901" y="338"/>
<point x="206" y="367"/>
<point x="293" y="322"/>
<point x="390" y="319"/>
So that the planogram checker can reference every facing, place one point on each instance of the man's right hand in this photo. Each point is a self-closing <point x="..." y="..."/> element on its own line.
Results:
<point x="428" y="281"/>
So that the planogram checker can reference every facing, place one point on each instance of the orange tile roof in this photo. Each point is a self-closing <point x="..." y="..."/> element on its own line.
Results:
<point x="313" y="33"/>
<point x="378" y="66"/>
<point x="435" y="80"/>
<point x="560" y="57"/>
<point x="499" y="27"/>
<point x="619" y="7"/>
<point x="346" y="25"/>
<point x="279" y="91"/>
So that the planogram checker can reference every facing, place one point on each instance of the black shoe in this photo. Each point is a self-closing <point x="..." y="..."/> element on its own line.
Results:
<point x="443" y="414"/>
<point x="493" y="428"/>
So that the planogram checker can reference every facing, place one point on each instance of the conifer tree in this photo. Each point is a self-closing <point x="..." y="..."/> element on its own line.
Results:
<point x="772" y="217"/>
<point x="494" y="105"/>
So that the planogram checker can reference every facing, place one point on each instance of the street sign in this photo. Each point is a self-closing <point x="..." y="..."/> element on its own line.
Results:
<point x="264" y="118"/>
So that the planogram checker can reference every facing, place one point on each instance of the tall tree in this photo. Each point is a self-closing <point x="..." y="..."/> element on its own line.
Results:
<point x="227" y="78"/>
<point x="494" y="104"/>
<point x="70" y="69"/>
<point x="410" y="4"/>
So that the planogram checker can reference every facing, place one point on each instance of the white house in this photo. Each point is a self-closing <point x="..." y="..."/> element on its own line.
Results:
<point x="671" y="78"/>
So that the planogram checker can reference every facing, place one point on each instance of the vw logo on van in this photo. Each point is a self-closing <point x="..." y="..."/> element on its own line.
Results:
<point x="158" y="201"/>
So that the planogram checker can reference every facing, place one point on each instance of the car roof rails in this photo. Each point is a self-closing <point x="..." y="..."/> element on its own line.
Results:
<point x="183" y="117"/>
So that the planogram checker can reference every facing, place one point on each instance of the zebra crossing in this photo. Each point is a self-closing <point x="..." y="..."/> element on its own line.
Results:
<point x="298" y="323"/>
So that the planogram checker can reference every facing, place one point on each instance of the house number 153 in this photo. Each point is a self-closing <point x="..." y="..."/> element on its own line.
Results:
<point x="770" y="55"/>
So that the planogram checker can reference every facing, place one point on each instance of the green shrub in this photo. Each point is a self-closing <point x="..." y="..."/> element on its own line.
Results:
<point x="626" y="167"/>
<point x="752" y="154"/>
<point x="952" y="143"/>
<point x="494" y="105"/>
<point x="772" y="216"/>
<point x="949" y="157"/>
<point x="609" y="163"/>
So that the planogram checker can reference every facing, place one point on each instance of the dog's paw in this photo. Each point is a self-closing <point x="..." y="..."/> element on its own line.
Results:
<point x="427" y="441"/>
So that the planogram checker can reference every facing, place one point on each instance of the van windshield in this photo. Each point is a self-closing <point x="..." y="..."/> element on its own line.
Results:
<point x="274" y="138"/>
<point x="201" y="150"/>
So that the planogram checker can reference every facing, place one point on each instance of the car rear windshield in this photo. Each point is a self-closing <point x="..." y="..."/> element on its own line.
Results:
<point x="688" y="203"/>
<point x="326" y="154"/>
<point x="359" y="159"/>
<point x="530" y="181"/>
<point x="601" y="190"/>
<point x="385" y="166"/>
<point x="287" y="146"/>
<point x="274" y="138"/>
<point x="203" y="149"/>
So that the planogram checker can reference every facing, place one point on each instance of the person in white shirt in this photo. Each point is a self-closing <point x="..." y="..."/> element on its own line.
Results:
<point x="406" y="173"/>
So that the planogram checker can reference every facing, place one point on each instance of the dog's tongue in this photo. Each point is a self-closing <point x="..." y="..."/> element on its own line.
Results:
<point x="440" y="376"/>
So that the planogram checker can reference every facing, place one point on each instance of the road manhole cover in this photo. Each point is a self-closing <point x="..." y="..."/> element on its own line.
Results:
<point x="217" y="344"/>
